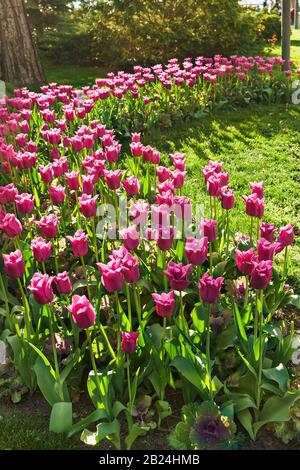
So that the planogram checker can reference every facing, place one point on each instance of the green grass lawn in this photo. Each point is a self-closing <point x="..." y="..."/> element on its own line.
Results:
<point x="255" y="143"/>
<point x="295" y="49"/>
<point x="73" y="74"/>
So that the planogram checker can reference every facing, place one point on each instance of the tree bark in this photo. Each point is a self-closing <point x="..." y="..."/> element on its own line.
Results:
<point x="19" y="63"/>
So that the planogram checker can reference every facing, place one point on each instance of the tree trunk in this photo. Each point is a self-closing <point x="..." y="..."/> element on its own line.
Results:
<point x="19" y="63"/>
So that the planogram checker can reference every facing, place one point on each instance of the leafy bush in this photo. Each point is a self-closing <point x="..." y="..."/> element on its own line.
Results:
<point x="269" y="25"/>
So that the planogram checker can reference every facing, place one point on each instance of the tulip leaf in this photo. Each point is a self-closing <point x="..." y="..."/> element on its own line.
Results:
<point x="279" y="375"/>
<point x="186" y="368"/>
<point x="239" y="323"/>
<point x="134" y="433"/>
<point x="68" y="368"/>
<point x="241" y="401"/>
<point x="110" y="431"/>
<point x="180" y="250"/>
<point x="61" y="417"/>
<point x="46" y="381"/>
<point x="293" y="300"/>
<point x="246" y="420"/>
<point x="276" y="409"/>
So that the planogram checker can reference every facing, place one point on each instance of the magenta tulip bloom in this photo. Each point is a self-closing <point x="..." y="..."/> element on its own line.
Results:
<point x="266" y="250"/>
<point x="254" y="206"/>
<point x="8" y="193"/>
<point x="208" y="228"/>
<point x="87" y="184"/>
<point x="14" y="264"/>
<point x="139" y="212"/>
<point x="10" y="225"/>
<point x="211" y="168"/>
<point x="41" y="288"/>
<point x="178" y="178"/>
<point x="130" y="237"/>
<point x="129" y="342"/>
<point x="63" y="283"/>
<point x="79" y="243"/>
<point x="267" y="231"/>
<point x="113" y="178"/>
<point x="48" y="225"/>
<point x="245" y="260"/>
<point x="178" y="275"/>
<point x="57" y="194"/>
<point x="196" y="250"/>
<point x="73" y="180"/>
<point x="82" y="311"/>
<point x="24" y="203"/>
<point x="41" y="249"/>
<point x="131" y="185"/>
<point x="112" y="153"/>
<point x="119" y="255"/>
<point x="286" y="235"/>
<point x="227" y="198"/>
<point x="164" y="303"/>
<point x="135" y="137"/>
<point x="261" y="274"/>
<point x="210" y="288"/>
<point x="213" y="185"/>
<point x="258" y="188"/>
<point x="88" y="205"/>
<point x="112" y="275"/>
<point x="130" y="268"/>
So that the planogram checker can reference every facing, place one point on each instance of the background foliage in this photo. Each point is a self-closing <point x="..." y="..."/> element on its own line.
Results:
<point x="121" y="33"/>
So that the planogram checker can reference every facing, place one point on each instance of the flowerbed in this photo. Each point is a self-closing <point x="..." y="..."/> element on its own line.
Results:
<point x="108" y="267"/>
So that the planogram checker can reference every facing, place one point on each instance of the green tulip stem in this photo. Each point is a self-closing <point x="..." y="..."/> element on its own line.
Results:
<point x="215" y="208"/>
<point x="182" y="311"/>
<point x="246" y="292"/>
<point x="4" y="295"/>
<point x="260" y="349"/>
<point x="208" y="352"/>
<point x="256" y="317"/>
<point x="119" y="325"/>
<point x="210" y="258"/>
<point x="95" y="238"/>
<point x="257" y="229"/>
<point x="11" y="321"/>
<point x="137" y="304"/>
<point x="44" y="267"/>
<point x="78" y="210"/>
<point x="285" y="266"/>
<point x="163" y="254"/>
<point x="86" y="277"/>
<point x="56" y="250"/>
<point x="112" y="353"/>
<point x="116" y="208"/>
<point x="128" y="305"/>
<point x="26" y="310"/>
<point x="98" y="385"/>
<point x="211" y="206"/>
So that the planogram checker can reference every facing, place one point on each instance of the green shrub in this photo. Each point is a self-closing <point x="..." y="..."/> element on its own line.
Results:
<point x="124" y="33"/>
<point x="269" y="25"/>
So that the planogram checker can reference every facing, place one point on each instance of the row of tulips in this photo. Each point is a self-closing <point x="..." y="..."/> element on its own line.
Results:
<point x="147" y="305"/>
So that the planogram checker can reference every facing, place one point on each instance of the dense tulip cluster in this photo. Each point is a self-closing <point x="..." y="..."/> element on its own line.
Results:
<point x="102" y="250"/>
